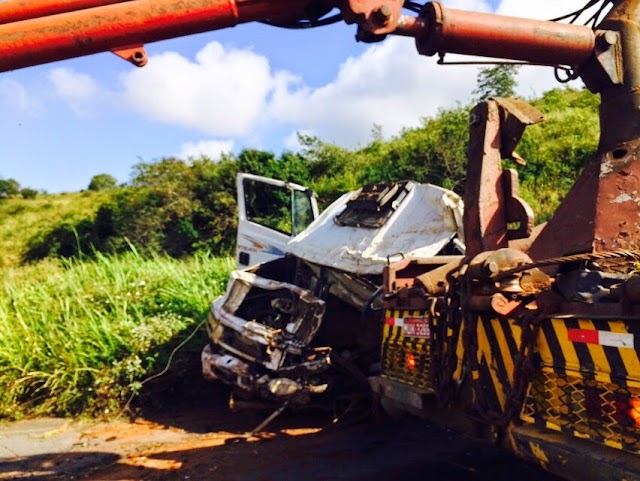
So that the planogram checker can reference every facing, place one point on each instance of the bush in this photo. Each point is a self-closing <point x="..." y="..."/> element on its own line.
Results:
<point x="179" y="207"/>
<point x="28" y="193"/>
<point x="9" y="187"/>
<point x="102" y="181"/>
<point x="68" y="239"/>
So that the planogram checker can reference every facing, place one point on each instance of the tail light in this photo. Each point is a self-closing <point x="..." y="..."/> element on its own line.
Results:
<point x="620" y="407"/>
<point x="411" y="362"/>
<point x="634" y="410"/>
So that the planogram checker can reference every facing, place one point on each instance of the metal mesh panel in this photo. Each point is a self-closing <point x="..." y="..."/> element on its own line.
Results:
<point x="604" y="412"/>
<point x="408" y="364"/>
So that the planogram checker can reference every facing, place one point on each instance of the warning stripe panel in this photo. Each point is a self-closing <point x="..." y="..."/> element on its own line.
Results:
<point x="586" y="362"/>
<point x="508" y="345"/>
<point x="568" y="349"/>
<point x="498" y="344"/>
<point x="600" y="364"/>
<point x="627" y="358"/>
<point x="600" y="349"/>
<point x="603" y="412"/>
<point x="492" y="370"/>
<point x="583" y="335"/>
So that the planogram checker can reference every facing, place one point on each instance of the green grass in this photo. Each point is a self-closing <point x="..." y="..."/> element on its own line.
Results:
<point x="22" y="219"/>
<point x="80" y="336"/>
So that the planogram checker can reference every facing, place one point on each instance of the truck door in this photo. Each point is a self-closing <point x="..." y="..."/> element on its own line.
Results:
<point x="271" y="212"/>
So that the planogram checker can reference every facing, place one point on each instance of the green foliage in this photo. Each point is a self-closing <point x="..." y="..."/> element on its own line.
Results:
<point x="268" y="205"/>
<point x="179" y="207"/>
<point x="496" y="81"/>
<point x="67" y="239"/>
<point x="82" y="336"/>
<point x="25" y="222"/>
<point x="434" y="153"/>
<point x="28" y="193"/>
<point x="102" y="181"/>
<point x="332" y="170"/>
<point x="9" y="187"/>
<point x="557" y="150"/>
<point x="154" y="212"/>
<point x="171" y="206"/>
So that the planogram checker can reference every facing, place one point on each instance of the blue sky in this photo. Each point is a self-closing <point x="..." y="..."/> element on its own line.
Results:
<point x="248" y="86"/>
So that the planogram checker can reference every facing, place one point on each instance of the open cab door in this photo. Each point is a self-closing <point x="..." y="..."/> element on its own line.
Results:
<point x="271" y="213"/>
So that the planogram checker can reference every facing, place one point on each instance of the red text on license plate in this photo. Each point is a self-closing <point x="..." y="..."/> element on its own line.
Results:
<point x="416" y="327"/>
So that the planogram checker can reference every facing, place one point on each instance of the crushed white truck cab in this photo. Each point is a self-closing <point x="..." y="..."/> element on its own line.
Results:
<point x="304" y="325"/>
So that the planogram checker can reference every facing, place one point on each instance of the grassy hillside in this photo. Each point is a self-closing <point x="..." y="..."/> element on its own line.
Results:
<point x="81" y="336"/>
<point x="25" y="219"/>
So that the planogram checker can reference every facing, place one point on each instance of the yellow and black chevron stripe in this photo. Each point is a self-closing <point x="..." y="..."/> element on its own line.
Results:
<point x="585" y="386"/>
<point x="398" y="350"/>
<point x="586" y="359"/>
<point x="495" y="346"/>
<point x="588" y="386"/>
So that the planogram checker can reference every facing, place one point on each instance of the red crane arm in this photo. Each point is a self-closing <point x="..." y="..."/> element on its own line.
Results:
<point x="43" y="37"/>
<point x="42" y="31"/>
<point x="14" y="11"/>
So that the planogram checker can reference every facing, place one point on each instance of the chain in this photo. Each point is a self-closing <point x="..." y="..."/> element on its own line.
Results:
<point x="444" y="343"/>
<point x="524" y="367"/>
<point x="631" y="255"/>
<point x="453" y="318"/>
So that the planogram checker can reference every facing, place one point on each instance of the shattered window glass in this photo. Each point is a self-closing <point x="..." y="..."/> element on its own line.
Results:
<point x="373" y="205"/>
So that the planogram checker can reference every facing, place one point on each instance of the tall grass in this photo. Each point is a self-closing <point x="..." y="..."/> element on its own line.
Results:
<point x="80" y="336"/>
<point x="24" y="219"/>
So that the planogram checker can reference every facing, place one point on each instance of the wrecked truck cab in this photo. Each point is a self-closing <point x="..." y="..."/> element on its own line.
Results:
<point x="289" y="330"/>
<point x="306" y="328"/>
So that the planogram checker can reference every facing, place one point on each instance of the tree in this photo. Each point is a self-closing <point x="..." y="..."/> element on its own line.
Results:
<point x="102" y="181"/>
<point x="28" y="193"/>
<point x="497" y="81"/>
<point x="9" y="187"/>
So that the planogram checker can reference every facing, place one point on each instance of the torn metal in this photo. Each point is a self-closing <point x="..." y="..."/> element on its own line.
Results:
<point x="271" y="338"/>
<point x="306" y="329"/>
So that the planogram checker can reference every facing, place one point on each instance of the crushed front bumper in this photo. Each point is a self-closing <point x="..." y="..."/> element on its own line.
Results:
<point x="270" y="386"/>
<point x="259" y="333"/>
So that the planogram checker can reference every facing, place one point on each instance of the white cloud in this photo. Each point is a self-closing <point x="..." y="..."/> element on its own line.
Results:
<point x="235" y="94"/>
<point x="221" y="93"/>
<point x="389" y="85"/>
<point x="79" y="90"/>
<point x="15" y="98"/>
<point x="533" y="81"/>
<point x="71" y="84"/>
<point x="211" y="148"/>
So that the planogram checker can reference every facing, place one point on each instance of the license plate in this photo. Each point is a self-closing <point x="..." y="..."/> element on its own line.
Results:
<point x="416" y="327"/>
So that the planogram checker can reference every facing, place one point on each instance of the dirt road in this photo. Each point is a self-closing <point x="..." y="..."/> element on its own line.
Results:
<point x="207" y="443"/>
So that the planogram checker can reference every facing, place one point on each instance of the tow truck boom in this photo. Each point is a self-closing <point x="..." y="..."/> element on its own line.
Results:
<point x="43" y="31"/>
